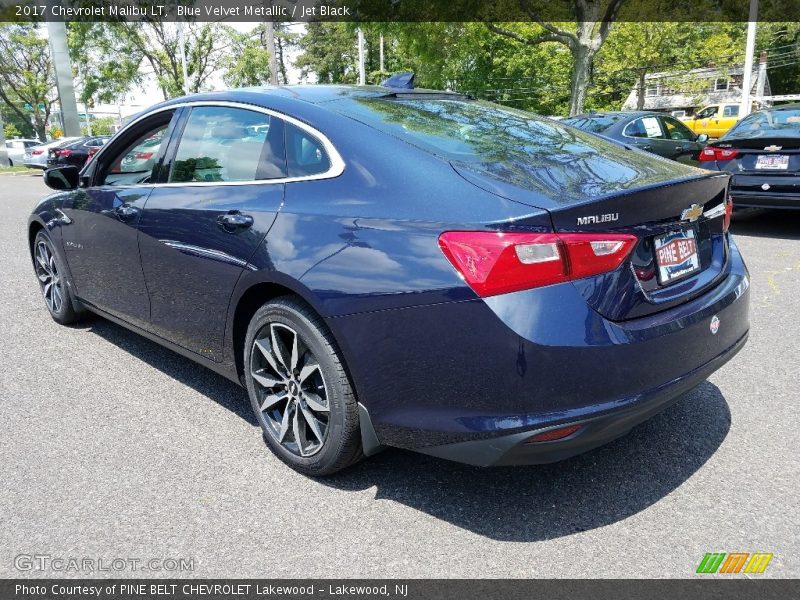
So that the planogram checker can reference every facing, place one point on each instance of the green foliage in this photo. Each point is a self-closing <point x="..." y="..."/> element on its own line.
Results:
<point x="636" y="49"/>
<point x="105" y="65"/>
<point x="329" y="50"/>
<point x="246" y="63"/>
<point x="10" y="131"/>
<point x="100" y="126"/>
<point x="781" y="41"/>
<point x="26" y="74"/>
<point x="11" y="118"/>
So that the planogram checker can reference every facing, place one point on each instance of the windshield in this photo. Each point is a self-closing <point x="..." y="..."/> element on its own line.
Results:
<point x="768" y="123"/>
<point x="595" y="124"/>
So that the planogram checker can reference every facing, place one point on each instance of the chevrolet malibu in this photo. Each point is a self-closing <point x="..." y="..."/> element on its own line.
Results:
<point x="402" y="267"/>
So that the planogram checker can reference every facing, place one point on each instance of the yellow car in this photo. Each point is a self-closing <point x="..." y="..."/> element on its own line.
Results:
<point x="713" y="120"/>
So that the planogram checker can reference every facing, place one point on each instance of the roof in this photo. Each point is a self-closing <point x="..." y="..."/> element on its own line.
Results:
<point x="317" y="94"/>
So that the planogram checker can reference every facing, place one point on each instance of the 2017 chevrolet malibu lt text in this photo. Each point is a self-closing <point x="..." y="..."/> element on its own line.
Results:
<point x="409" y="268"/>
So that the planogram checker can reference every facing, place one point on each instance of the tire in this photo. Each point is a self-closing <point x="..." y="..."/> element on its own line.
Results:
<point x="51" y="274"/>
<point x="308" y="412"/>
<point x="10" y="163"/>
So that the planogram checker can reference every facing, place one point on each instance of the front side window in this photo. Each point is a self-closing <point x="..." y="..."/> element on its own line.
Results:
<point x="134" y="163"/>
<point x="677" y="130"/>
<point x="707" y="112"/>
<point x="223" y="144"/>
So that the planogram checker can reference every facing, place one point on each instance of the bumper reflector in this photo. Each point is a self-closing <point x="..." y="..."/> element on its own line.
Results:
<point x="553" y="434"/>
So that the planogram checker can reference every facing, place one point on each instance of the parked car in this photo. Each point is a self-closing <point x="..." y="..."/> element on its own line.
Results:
<point x="142" y="157"/>
<point x="655" y="132"/>
<point x="16" y="150"/>
<point x="76" y="153"/>
<point x="762" y="153"/>
<point x="713" y="120"/>
<point x="36" y="156"/>
<point x="405" y="268"/>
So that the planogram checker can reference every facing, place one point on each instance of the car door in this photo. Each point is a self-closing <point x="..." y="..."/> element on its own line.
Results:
<point x="683" y="145"/>
<point x="100" y="242"/>
<point x="706" y="121"/>
<point x="222" y="189"/>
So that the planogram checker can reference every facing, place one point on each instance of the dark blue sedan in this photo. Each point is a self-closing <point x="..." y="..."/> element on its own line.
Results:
<point x="409" y="268"/>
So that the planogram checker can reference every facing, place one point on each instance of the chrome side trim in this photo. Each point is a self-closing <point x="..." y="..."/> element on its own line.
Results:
<point x="337" y="162"/>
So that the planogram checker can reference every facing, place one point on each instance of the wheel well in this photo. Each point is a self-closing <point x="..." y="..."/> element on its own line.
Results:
<point x="253" y="299"/>
<point x="32" y="231"/>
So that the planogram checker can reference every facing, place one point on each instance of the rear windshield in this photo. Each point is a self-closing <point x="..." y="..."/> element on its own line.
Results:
<point x="466" y="130"/>
<point x="595" y="124"/>
<point x="768" y="123"/>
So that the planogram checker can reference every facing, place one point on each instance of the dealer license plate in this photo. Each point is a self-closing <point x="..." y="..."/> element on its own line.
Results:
<point x="772" y="162"/>
<point x="676" y="255"/>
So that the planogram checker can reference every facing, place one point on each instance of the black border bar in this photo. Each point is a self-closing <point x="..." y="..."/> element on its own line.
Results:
<point x="700" y="588"/>
<point x="397" y="11"/>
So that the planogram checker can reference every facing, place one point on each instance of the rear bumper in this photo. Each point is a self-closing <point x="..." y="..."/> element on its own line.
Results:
<point x="594" y="431"/>
<point x="783" y="191"/>
<point x="766" y="200"/>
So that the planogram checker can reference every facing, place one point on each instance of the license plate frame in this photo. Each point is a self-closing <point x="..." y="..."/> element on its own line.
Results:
<point x="676" y="255"/>
<point x="772" y="162"/>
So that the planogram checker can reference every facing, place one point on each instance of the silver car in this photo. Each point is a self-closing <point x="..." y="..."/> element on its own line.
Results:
<point x="36" y="157"/>
<point x="16" y="149"/>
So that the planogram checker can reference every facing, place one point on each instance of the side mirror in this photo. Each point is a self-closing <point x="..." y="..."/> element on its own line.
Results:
<point x="702" y="138"/>
<point x="62" y="178"/>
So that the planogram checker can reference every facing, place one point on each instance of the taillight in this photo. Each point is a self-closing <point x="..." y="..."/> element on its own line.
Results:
<point x="63" y="152"/>
<point x="726" y="222"/>
<point x="494" y="263"/>
<point x="713" y="153"/>
<point x="142" y="155"/>
<point x="37" y="152"/>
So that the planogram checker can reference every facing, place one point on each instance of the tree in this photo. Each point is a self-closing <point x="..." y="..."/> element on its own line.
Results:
<point x="26" y="74"/>
<point x="329" y="51"/>
<point x="159" y="44"/>
<point x="584" y="41"/>
<point x="247" y="60"/>
<point x="634" y="50"/>
<point x="105" y="65"/>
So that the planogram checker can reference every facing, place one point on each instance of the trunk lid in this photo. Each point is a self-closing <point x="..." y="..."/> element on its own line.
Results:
<point x="662" y="204"/>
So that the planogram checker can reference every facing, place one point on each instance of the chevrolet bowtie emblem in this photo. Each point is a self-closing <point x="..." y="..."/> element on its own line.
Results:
<point x="692" y="213"/>
<point x="772" y="148"/>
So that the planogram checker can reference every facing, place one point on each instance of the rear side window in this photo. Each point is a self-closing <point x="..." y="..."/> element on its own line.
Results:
<point x="730" y="111"/>
<point x="223" y="144"/>
<point x="305" y="154"/>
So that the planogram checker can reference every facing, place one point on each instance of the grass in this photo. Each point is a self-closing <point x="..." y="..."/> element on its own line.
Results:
<point x="17" y="170"/>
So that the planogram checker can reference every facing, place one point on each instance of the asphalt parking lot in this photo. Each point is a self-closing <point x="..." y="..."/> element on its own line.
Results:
<point x="113" y="447"/>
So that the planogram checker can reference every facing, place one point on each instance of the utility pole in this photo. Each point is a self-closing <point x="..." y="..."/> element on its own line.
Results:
<point x="182" y="42"/>
<point x="273" y="57"/>
<point x="362" y="77"/>
<point x="3" y="150"/>
<point x="57" y="35"/>
<point x="381" y="52"/>
<point x="748" y="59"/>
<point x="88" y="119"/>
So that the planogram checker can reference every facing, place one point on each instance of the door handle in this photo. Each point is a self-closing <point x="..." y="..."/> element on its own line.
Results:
<point x="234" y="220"/>
<point x="647" y="147"/>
